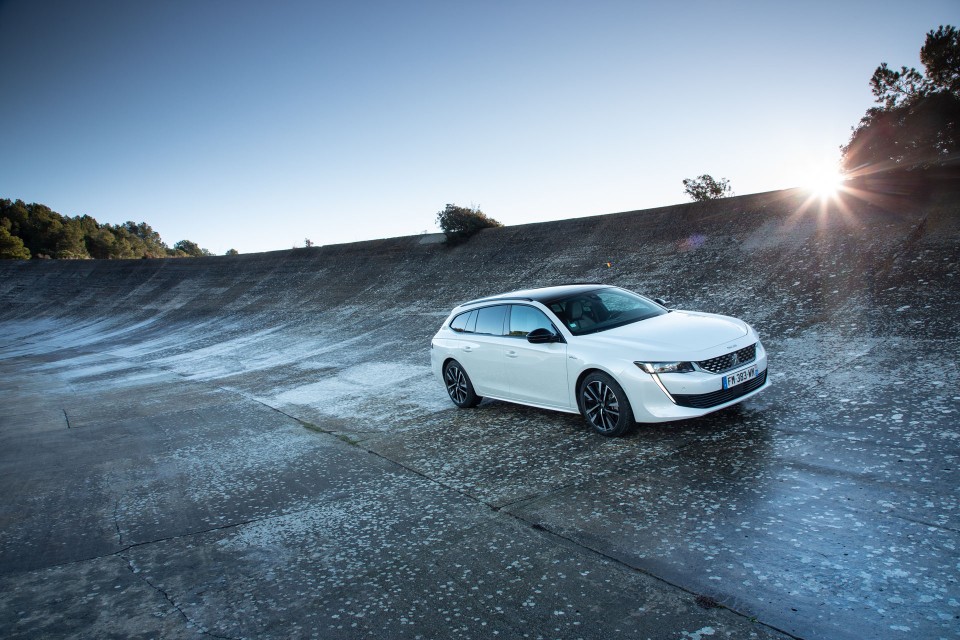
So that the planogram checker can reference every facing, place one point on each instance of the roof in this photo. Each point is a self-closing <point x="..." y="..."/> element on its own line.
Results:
<point x="542" y="295"/>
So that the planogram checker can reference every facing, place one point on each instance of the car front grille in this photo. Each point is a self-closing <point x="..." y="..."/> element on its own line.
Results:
<point x="707" y="400"/>
<point x="730" y="361"/>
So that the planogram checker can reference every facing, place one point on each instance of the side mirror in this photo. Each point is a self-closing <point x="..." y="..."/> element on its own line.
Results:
<point x="660" y="301"/>
<point x="542" y="336"/>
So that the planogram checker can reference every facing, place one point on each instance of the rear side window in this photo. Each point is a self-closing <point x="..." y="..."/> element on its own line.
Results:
<point x="462" y="321"/>
<point x="490" y="320"/>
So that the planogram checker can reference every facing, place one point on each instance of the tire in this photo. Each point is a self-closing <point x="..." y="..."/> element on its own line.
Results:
<point x="604" y="405"/>
<point x="458" y="385"/>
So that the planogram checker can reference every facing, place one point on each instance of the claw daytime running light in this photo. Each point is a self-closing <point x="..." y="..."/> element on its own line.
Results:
<point x="665" y="367"/>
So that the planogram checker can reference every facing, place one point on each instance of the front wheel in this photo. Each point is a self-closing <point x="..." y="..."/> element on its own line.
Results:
<point x="604" y="404"/>
<point x="459" y="386"/>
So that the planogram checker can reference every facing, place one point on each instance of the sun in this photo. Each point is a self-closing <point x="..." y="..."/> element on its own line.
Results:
<point x="824" y="182"/>
<point x="827" y="192"/>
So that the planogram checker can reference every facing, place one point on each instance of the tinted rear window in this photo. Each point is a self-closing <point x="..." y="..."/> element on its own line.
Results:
<point x="465" y="322"/>
<point x="490" y="320"/>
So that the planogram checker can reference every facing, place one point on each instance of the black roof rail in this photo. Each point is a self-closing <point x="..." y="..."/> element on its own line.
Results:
<point x="536" y="295"/>
<point x="497" y="298"/>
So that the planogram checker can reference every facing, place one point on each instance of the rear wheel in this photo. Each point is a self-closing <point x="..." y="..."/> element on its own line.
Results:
<point x="604" y="404"/>
<point x="459" y="387"/>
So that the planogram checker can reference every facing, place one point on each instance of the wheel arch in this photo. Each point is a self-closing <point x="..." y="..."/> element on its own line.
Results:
<point x="580" y="377"/>
<point x="583" y="374"/>
<point x="595" y="368"/>
<point x="598" y="415"/>
<point x="634" y="402"/>
<point x="447" y="360"/>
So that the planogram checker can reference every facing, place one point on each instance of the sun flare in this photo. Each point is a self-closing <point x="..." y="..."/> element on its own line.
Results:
<point x="827" y="192"/>
<point x="824" y="182"/>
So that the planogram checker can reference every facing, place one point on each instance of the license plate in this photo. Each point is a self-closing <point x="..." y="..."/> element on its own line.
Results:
<point x="739" y="377"/>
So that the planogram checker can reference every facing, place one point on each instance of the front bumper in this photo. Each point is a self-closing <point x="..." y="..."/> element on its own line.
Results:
<point x="676" y="396"/>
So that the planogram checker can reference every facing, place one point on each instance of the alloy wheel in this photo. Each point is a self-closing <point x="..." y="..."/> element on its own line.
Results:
<point x="601" y="405"/>
<point x="456" y="381"/>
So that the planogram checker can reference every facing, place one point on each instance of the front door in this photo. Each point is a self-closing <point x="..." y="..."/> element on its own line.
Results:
<point x="536" y="373"/>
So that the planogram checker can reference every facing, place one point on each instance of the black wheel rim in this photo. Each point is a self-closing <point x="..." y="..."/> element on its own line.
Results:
<point x="456" y="384"/>
<point x="601" y="406"/>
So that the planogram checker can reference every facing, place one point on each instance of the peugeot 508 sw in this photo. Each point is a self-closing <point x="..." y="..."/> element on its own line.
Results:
<point x="612" y="355"/>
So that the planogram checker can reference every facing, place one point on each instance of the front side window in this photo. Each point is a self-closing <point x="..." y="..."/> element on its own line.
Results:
<point x="603" y="309"/>
<point x="524" y="319"/>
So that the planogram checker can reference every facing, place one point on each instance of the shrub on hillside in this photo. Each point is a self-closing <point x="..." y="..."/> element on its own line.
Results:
<point x="706" y="187"/>
<point x="459" y="223"/>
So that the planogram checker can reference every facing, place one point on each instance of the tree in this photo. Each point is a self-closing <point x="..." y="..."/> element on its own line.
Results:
<point x="11" y="247"/>
<point x="101" y="243"/>
<point x="148" y="242"/>
<point x="232" y="252"/>
<point x="705" y="187"/>
<point x="39" y="227"/>
<point x="69" y="241"/>
<point x="940" y="56"/>
<point x="459" y="223"/>
<point x="124" y="245"/>
<point x="191" y="249"/>
<point x="917" y="122"/>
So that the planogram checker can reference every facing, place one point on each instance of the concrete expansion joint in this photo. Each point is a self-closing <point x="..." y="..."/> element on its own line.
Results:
<point x="354" y="443"/>
<point x="171" y="601"/>
<point x="202" y="532"/>
<point x="627" y="565"/>
<point x="247" y="396"/>
<point x="120" y="552"/>
<point x="922" y="523"/>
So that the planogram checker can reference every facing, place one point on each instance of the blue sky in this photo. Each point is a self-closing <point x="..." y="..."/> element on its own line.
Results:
<point x="256" y="125"/>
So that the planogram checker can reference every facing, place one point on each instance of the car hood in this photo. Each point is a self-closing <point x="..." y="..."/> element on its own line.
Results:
<point x="679" y="335"/>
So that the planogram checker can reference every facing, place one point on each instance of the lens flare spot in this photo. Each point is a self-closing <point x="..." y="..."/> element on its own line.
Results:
<point x="824" y="183"/>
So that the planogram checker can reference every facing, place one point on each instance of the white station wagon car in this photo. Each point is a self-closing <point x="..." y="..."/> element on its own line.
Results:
<point x="610" y="354"/>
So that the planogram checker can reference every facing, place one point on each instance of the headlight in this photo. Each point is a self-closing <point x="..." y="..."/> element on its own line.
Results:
<point x="665" y="367"/>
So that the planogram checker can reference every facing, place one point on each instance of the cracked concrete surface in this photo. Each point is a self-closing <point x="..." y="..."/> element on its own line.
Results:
<point x="254" y="446"/>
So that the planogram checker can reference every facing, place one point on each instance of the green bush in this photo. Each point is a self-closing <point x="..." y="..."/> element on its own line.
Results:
<point x="460" y="223"/>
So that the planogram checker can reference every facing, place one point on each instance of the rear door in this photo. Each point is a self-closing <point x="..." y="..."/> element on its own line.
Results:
<point x="481" y="350"/>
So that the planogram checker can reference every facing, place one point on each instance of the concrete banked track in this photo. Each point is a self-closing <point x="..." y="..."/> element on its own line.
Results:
<point x="253" y="446"/>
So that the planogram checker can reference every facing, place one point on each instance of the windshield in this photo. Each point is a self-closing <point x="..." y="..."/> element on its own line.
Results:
<point x="603" y="309"/>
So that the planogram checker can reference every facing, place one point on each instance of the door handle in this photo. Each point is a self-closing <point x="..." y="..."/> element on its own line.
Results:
<point x="468" y="349"/>
<point x="512" y="354"/>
